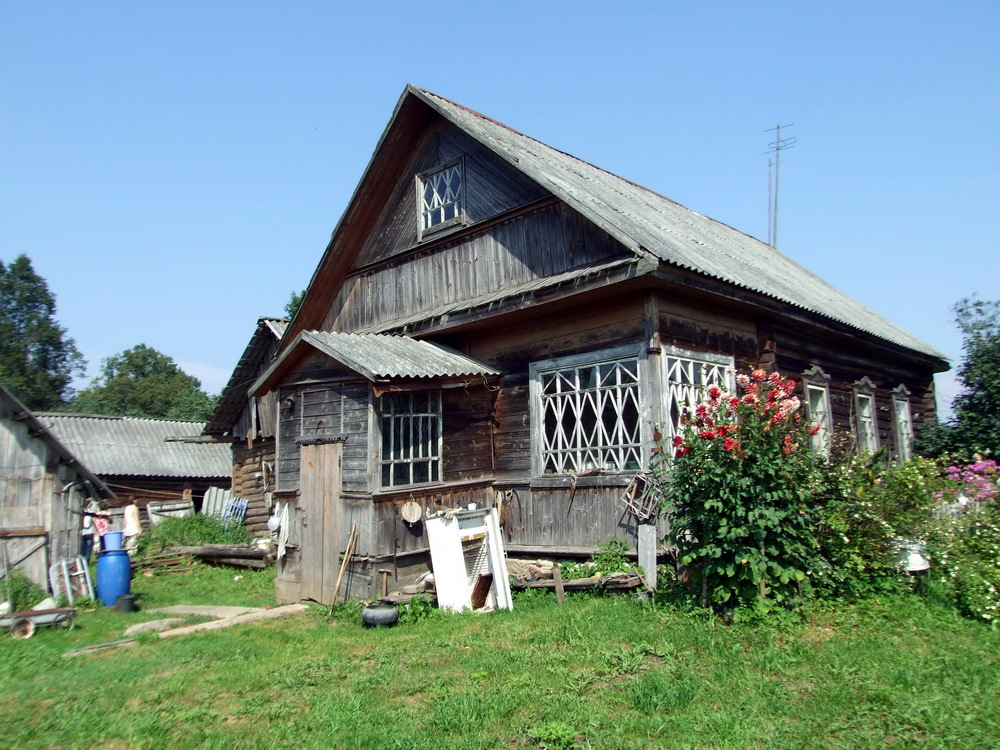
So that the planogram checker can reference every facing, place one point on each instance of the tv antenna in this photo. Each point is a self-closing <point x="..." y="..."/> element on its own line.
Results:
<point x="776" y="146"/>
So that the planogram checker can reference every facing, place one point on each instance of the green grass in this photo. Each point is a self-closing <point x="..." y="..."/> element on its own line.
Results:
<point x="593" y="673"/>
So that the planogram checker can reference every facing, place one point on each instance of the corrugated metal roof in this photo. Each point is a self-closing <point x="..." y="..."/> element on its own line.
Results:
<point x="376" y="356"/>
<point x="235" y="394"/>
<point x="380" y="356"/>
<point x="130" y="446"/>
<point x="75" y="460"/>
<point x="647" y="222"/>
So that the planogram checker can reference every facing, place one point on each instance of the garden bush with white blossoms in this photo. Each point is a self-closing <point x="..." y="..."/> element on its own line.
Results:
<point x="965" y="541"/>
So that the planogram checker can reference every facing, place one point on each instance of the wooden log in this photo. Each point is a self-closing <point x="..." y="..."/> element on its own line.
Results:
<point x="220" y="550"/>
<point x="238" y="562"/>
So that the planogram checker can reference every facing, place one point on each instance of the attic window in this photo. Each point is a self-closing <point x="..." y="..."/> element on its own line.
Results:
<point x="441" y="196"/>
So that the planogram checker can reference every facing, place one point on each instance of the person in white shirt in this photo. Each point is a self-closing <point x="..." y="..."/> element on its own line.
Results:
<point x="132" y="529"/>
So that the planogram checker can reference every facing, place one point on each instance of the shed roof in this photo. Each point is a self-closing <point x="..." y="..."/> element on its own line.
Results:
<point x="133" y="446"/>
<point x="42" y="432"/>
<point x="255" y="358"/>
<point x="378" y="356"/>
<point x="646" y="222"/>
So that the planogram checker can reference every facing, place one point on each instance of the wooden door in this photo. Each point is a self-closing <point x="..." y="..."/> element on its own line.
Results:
<point x="322" y="518"/>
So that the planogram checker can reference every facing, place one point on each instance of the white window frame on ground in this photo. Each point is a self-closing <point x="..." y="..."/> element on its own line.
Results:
<point x="816" y="389"/>
<point x="685" y="377"/>
<point x="902" y="423"/>
<point x="587" y="413"/>
<point x="411" y="437"/>
<point x="440" y="199"/>
<point x="865" y="415"/>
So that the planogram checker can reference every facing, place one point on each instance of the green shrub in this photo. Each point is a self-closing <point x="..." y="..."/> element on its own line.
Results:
<point x="193" y="531"/>
<point x="612" y="556"/>
<point x="857" y="551"/>
<point x="23" y="593"/>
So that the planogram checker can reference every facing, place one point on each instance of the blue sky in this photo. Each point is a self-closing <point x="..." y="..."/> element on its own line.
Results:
<point x="174" y="170"/>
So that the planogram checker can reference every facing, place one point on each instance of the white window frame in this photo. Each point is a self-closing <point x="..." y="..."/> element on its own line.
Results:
<point x="902" y="423"/>
<point x="441" y="201"/>
<point x="585" y="447"/>
<point x="685" y="375"/>
<point x="410" y="439"/>
<point x="816" y="390"/>
<point x="865" y="420"/>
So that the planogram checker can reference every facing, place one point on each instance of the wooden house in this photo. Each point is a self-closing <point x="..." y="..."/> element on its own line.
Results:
<point x="158" y="461"/>
<point x="500" y="323"/>
<point x="249" y="422"/>
<point x="41" y="483"/>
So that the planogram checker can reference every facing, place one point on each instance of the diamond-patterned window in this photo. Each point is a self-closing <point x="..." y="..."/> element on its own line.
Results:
<point x="590" y="416"/>
<point x="686" y="375"/>
<point x="411" y="438"/>
<point x="441" y="196"/>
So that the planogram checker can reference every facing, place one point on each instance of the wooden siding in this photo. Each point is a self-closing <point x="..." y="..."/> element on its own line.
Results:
<point x="542" y="243"/>
<point x="335" y="410"/>
<point x="492" y="187"/>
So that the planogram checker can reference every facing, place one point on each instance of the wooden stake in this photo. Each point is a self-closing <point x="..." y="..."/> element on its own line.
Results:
<point x="352" y="538"/>
<point x="557" y="577"/>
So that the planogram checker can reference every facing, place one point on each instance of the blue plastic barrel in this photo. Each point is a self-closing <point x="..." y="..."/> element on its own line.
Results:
<point x="112" y="540"/>
<point x="114" y="575"/>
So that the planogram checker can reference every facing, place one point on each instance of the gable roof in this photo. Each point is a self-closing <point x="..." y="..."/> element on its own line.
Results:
<point x="38" y="430"/>
<point x="646" y="223"/>
<point x="377" y="356"/>
<point x="133" y="446"/>
<point x="255" y="358"/>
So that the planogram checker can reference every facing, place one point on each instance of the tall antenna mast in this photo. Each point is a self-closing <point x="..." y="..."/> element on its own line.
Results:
<point x="778" y="145"/>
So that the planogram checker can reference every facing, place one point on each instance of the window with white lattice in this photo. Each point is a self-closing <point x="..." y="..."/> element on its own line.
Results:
<point x="865" y="418"/>
<point x="902" y="423"/>
<point x="686" y="375"/>
<point x="411" y="438"/>
<point x="441" y="198"/>
<point x="816" y="387"/>
<point x="586" y="414"/>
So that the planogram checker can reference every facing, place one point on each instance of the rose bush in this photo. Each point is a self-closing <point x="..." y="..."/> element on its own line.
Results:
<point x="738" y="482"/>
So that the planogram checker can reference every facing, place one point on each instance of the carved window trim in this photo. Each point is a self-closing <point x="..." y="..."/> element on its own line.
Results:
<point x="865" y="415"/>
<point x="902" y="423"/>
<point x="816" y="397"/>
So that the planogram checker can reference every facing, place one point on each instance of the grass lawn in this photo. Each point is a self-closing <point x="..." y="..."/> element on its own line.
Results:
<point x="592" y="673"/>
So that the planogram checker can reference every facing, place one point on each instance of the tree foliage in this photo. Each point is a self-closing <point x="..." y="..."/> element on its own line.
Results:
<point x="974" y="428"/>
<point x="142" y="382"/>
<point x="292" y="306"/>
<point x="37" y="359"/>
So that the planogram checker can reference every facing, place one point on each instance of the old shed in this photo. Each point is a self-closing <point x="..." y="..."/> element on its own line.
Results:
<point x="41" y="480"/>
<point x="152" y="460"/>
